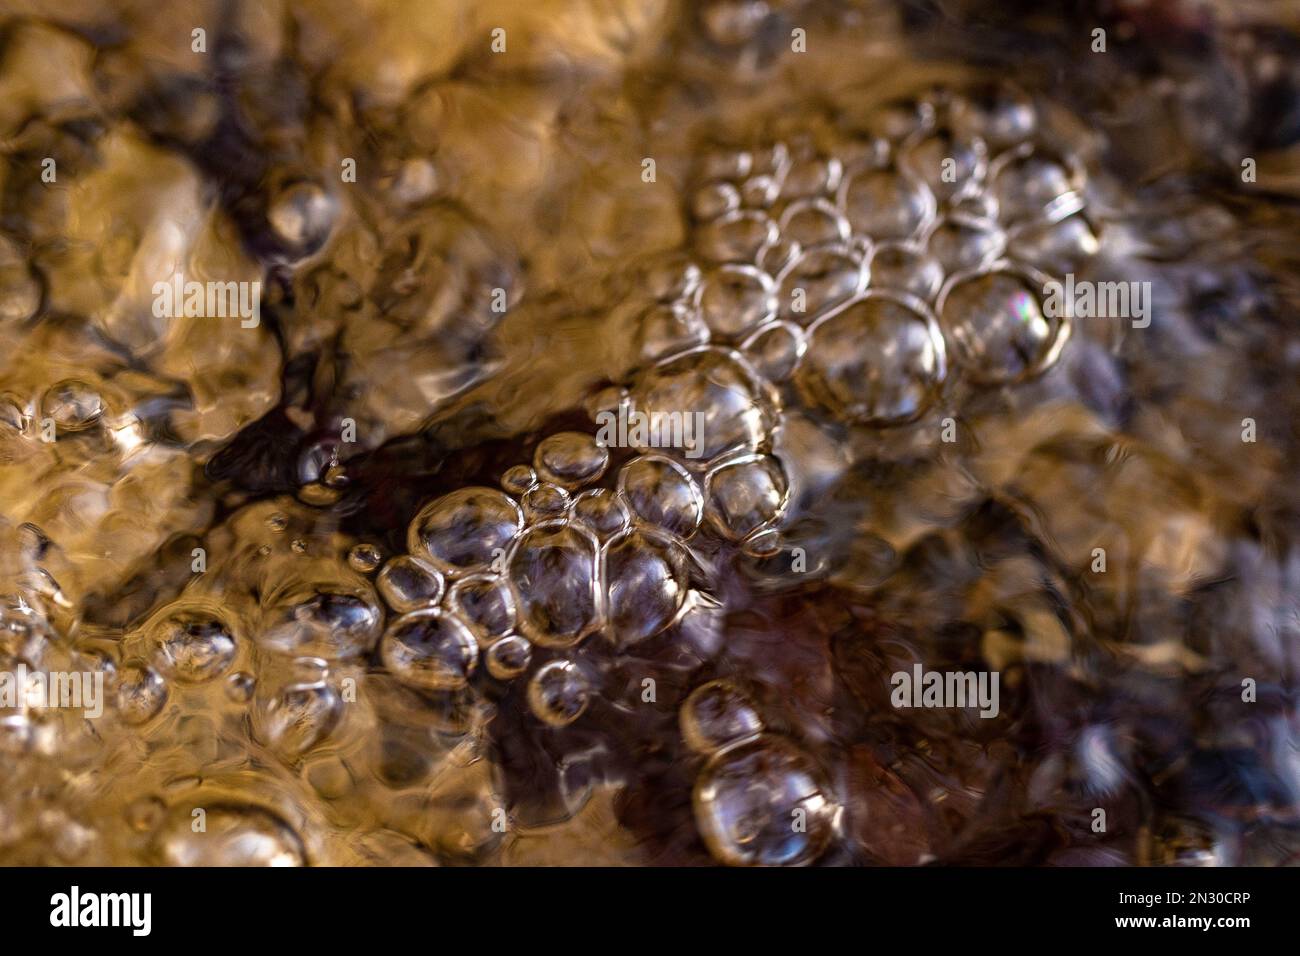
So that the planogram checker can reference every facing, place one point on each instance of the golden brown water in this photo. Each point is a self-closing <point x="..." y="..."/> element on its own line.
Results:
<point x="634" y="391"/>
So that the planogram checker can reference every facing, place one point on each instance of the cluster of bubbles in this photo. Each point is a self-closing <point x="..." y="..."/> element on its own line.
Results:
<point x="859" y="277"/>
<point x="846" y="281"/>
<point x="760" y="800"/>
<point x="297" y="669"/>
<point x="840" y="282"/>
<point x="550" y="559"/>
<point x="510" y="580"/>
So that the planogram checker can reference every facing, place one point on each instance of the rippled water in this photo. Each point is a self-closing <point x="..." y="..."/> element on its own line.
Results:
<point x="633" y="394"/>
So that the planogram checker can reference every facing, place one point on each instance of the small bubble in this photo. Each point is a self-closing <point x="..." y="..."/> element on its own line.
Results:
<point x="746" y="495"/>
<point x="774" y="158"/>
<point x="141" y="692"/>
<point x="605" y="401"/>
<point x="145" y="813"/>
<point x="559" y="693"/>
<point x="240" y="686"/>
<point x="717" y="714"/>
<point x="602" y="511"/>
<point x="1029" y="183"/>
<point x="298" y="718"/>
<point x="330" y="619"/>
<point x="819" y="280"/>
<point x="666" y="329"/>
<point x="661" y="492"/>
<point x="317" y="458"/>
<point x="485" y="605"/>
<point x="406" y="583"/>
<point x="193" y="646"/>
<point x="364" y="558"/>
<point x="886" y="203"/>
<point x="998" y="113"/>
<point x="978" y="205"/>
<point x="509" y="657"/>
<point x="738" y="236"/>
<point x="895" y="120"/>
<point x="722" y="163"/>
<point x="715" y="199"/>
<point x="570" y="459"/>
<point x="814" y="222"/>
<point x="779" y="256"/>
<point x="544" y="502"/>
<point x="667" y="281"/>
<point x="736" y="298"/>
<point x="776" y="350"/>
<point x="517" y="479"/>
<point x="1058" y="247"/>
<point x="927" y="155"/>
<point x="906" y="267"/>
<point x="302" y="216"/>
<point x="759" y="192"/>
<point x="812" y="176"/>
<point x="73" y="405"/>
<point x="961" y="243"/>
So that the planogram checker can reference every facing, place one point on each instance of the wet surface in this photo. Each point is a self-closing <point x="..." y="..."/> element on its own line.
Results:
<point x="605" y="412"/>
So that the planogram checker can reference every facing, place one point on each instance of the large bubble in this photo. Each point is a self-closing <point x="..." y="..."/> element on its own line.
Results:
<point x="465" y="530"/>
<point x="998" y="326"/>
<point x="430" y="650"/>
<point x="762" y="802"/>
<point x="647" y="575"/>
<point x="879" y="360"/>
<point x="553" y="573"/>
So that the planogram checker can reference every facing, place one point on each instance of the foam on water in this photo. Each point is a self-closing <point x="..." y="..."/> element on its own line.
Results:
<point x="376" y="573"/>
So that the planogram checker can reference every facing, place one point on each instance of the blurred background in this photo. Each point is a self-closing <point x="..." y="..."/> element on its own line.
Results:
<point x="473" y="226"/>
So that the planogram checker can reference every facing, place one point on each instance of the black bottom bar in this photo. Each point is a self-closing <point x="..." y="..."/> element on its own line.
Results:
<point x="336" y="907"/>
